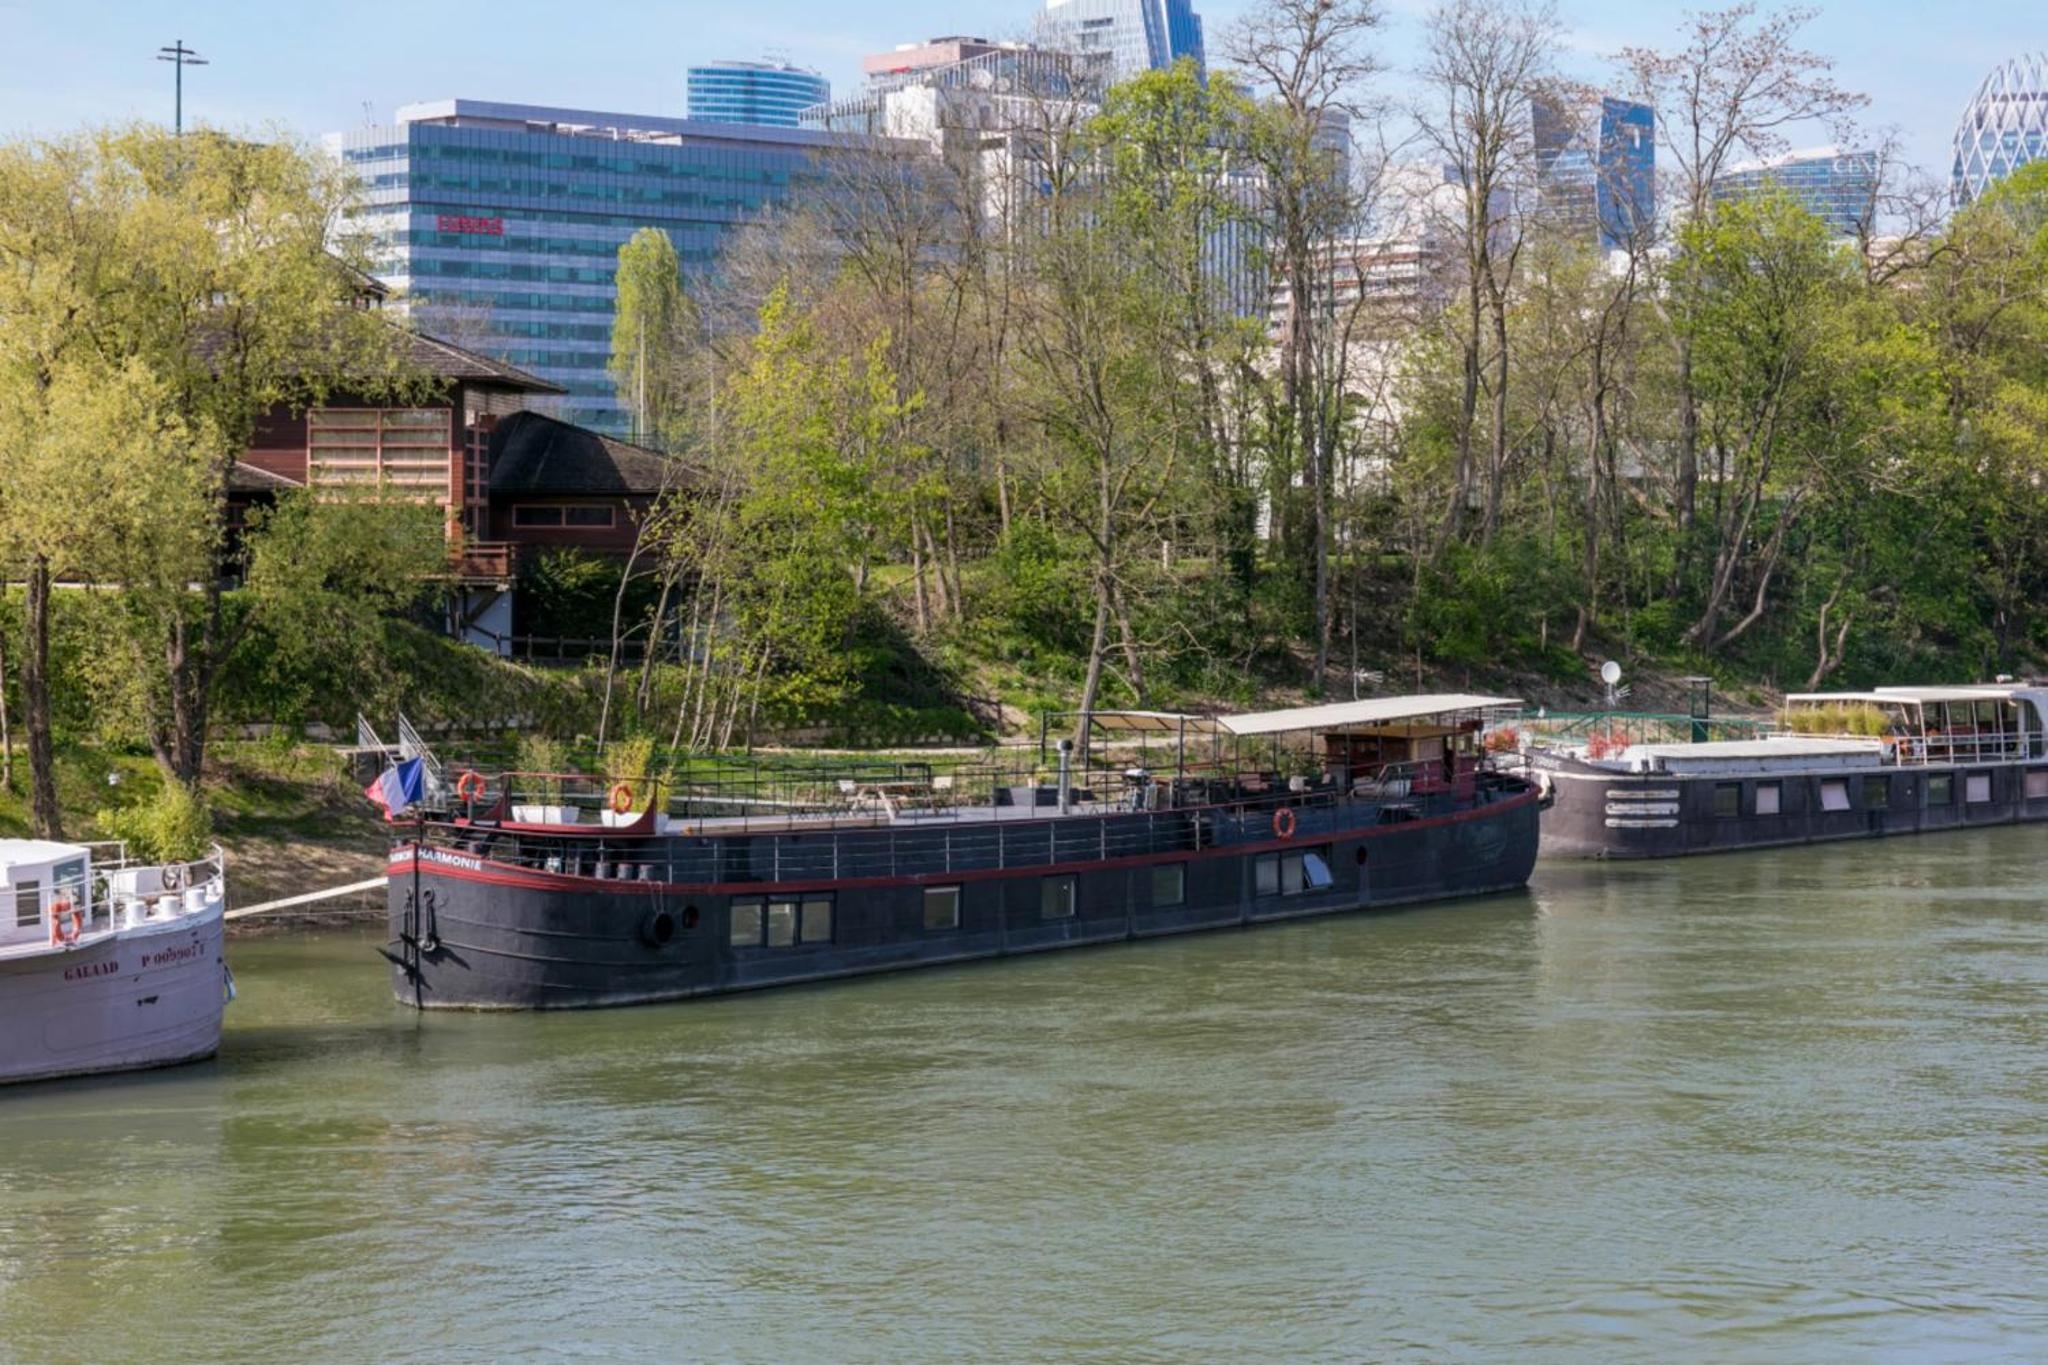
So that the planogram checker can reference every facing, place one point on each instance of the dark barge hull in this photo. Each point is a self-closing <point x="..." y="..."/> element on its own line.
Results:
<point x="1598" y="814"/>
<point x="473" y="932"/>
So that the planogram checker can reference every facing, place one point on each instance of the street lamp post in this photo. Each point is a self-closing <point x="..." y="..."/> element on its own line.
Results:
<point x="180" y="57"/>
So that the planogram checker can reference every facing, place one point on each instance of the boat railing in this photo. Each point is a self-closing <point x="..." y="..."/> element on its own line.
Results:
<point x="130" y="890"/>
<point x="1942" y="748"/>
<point x="733" y="852"/>
<point x="856" y="793"/>
<point x="122" y="891"/>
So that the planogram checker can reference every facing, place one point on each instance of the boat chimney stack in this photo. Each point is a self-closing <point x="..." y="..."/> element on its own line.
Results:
<point x="1066" y="766"/>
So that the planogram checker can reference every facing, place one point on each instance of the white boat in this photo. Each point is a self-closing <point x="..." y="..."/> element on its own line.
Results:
<point x="107" y="964"/>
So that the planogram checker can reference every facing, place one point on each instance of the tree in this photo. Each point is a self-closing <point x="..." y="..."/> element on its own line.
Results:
<point x="1488" y="67"/>
<point x="1732" y="90"/>
<point x="212" y="279"/>
<point x="1311" y="61"/>
<point x="1806" y="391"/>
<point x="652" y="332"/>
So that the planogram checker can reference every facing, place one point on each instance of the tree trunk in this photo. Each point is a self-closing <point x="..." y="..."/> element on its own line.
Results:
<point x="35" y="695"/>
<point x="6" y="731"/>
<point x="1091" y="687"/>
<point x="1688" y="483"/>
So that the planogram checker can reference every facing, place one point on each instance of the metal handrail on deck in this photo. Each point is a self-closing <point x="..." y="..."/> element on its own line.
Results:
<point x="737" y="852"/>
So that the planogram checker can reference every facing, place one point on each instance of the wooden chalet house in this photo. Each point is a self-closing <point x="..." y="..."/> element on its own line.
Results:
<point x="513" y="481"/>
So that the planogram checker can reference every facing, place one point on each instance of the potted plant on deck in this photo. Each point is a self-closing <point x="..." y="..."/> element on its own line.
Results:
<point x="541" y="759"/>
<point x="628" y="765"/>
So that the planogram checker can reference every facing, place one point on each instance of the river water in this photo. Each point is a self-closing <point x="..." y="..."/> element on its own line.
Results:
<point x="1774" y="1107"/>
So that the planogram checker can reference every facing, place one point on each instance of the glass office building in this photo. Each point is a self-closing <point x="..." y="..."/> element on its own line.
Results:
<point x="502" y="223"/>
<point x="763" y="93"/>
<point x="1597" y="166"/>
<point x="2004" y="127"/>
<point x="1138" y="35"/>
<point x="1839" y="188"/>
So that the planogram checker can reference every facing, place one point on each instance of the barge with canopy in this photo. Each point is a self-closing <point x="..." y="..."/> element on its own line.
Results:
<point x="1844" y="765"/>
<point x="107" y="964"/>
<point x="537" y="891"/>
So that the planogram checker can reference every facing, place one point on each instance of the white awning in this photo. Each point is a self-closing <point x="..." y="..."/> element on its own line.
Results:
<point x="1899" y="696"/>
<point x="1374" y="711"/>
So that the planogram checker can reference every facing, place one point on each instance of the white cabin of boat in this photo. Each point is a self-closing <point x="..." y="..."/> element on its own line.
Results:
<point x="39" y="879"/>
<point x="44" y="884"/>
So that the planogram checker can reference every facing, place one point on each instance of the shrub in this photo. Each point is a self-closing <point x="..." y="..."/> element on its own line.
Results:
<point x="172" y="826"/>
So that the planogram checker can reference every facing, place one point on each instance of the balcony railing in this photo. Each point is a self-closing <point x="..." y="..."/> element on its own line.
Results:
<point x="493" y="560"/>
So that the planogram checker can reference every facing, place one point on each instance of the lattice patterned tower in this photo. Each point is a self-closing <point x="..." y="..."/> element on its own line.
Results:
<point x="2004" y="127"/>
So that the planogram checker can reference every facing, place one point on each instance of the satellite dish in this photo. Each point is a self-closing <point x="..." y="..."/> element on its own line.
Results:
<point x="1610" y="673"/>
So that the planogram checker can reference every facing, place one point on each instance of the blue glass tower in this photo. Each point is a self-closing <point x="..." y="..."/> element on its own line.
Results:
<point x="1139" y="35"/>
<point x="501" y="223"/>
<point x="1601" y="173"/>
<point x="1839" y="188"/>
<point x="761" y="93"/>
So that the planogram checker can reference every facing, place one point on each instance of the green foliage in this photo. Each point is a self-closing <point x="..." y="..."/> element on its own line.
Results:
<point x="631" y="761"/>
<point x="568" y="594"/>
<point x="171" y="826"/>
<point x="547" y="759"/>
<point x="651" y="328"/>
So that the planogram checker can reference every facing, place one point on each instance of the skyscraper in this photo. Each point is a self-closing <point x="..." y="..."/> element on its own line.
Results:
<point x="1139" y="35"/>
<point x="501" y="223"/>
<point x="2004" y="127"/>
<point x="1837" y="187"/>
<point x="1597" y="167"/>
<point x="770" y="94"/>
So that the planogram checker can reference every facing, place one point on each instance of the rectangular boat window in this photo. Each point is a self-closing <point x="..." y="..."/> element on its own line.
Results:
<point x="817" y="925"/>
<point x="1291" y="883"/>
<point x="1315" y="868"/>
<point x="1769" y="798"/>
<point x="1834" y="794"/>
<point x="942" y="907"/>
<point x="1877" y="793"/>
<point x="1941" y="789"/>
<point x="1976" y="788"/>
<point x="1169" y="884"/>
<point x="28" y="904"/>
<point x="2037" y="783"/>
<point x="746" y="923"/>
<point x="1266" y="876"/>
<point x="1056" y="898"/>
<point x="781" y="924"/>
<point x="1727" y="800"/>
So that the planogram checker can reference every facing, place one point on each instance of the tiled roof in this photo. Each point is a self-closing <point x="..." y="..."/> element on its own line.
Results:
<point x="440" y="359"/>
<point x="446" y="360"/>
<point x="533" y="454"/>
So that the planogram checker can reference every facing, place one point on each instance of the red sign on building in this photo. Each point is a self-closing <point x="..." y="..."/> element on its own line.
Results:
<point x="486" y="227"/>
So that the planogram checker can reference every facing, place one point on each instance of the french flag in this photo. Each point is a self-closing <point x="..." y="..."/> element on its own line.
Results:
<point x="399" y="788"/>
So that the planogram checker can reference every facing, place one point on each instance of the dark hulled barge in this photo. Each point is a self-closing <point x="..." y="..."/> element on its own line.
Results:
<point x="528" y="893"/>
<point x="1846" y="765"/>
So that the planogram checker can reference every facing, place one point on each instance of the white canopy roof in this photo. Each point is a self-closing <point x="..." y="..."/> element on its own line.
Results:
<point x="1909" y="696"/>
<point x="1376" y="710"/>
<point x="36" y="853"/>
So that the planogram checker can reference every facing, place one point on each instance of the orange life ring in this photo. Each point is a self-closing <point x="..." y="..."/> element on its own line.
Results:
<point x="60" y="910"/>
<point x="470" y="786"/>
<point x="1283" y="822"/>
<point x="622" y="797"/>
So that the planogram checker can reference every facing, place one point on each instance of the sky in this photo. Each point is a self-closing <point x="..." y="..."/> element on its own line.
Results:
<point x="319" y="68"/>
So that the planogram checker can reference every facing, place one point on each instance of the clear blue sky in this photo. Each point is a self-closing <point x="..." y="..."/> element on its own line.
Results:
<point x="314" y="68"/>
